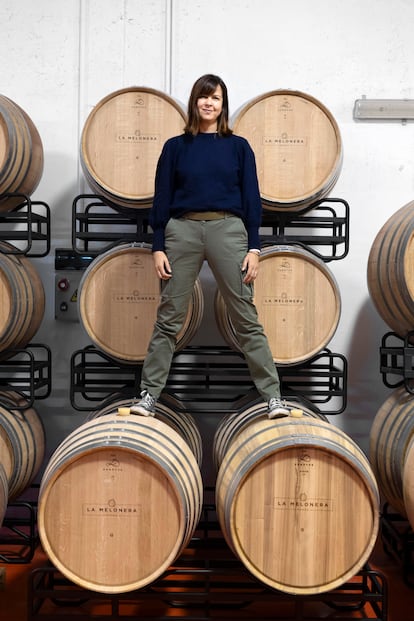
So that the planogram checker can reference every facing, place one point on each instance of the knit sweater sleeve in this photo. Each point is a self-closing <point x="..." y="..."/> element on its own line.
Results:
<point x="252" y="206"/>
<point x="164" y="184"/>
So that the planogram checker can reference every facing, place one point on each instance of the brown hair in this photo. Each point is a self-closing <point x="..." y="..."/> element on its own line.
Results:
<point x="206" y="85"/>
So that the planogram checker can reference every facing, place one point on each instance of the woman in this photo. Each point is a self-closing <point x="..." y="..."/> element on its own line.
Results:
<point x="207" y="207"/>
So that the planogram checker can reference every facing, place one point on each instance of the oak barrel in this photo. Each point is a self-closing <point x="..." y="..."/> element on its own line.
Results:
<point x="22" y="299"/>
<point x="122" y="140"/>
<point x="4" y="493"/>
<point x="118" y="502"/>
<point x="298" y="504"/>
<point x="170" y="411"/>
<point x="298" y="148"/>
<point x="391" y="434"/>
<point x="298" y="303"/>
<point x="390" y="271"/>
<point x="22" y="442"/>
<point x="118" y="298"/>
<point x="21" y="154"/>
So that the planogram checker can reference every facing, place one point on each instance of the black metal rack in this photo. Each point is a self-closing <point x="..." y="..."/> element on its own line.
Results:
<point x="29" y="223"/>
<point x="322" y="228"/>
<point x="206" y="582"/>
<point x="220" y="374"/>
<point x="96" y="226"/>
<point x="28" y="371"/>
<point x="18" y="532"/>
<point x="207" y="376"/>
<point x="205" y="592"/>
<point x="325" y="225"/>
<point x="397" y="359"/>
<point x="397" y="369"/>
<point x="398" y="541"/>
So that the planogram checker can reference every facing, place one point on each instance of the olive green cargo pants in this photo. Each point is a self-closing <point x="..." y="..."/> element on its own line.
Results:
<point x="223" y="244"/>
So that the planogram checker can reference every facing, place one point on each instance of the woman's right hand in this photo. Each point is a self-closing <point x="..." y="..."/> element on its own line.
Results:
<point x="162" y="265"/>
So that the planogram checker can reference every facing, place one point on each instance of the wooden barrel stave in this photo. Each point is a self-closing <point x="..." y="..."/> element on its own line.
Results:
<point x="235" y="422"/>
<point x="170" y="411"/>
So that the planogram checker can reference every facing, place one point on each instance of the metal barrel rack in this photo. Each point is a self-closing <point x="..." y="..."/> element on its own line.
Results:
<point x="26" y="371"/>
<point x="206" y="582"/>
<point x="397" y="369"/>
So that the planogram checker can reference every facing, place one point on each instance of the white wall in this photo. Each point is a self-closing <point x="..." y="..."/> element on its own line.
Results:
<point x="60" y="57"/>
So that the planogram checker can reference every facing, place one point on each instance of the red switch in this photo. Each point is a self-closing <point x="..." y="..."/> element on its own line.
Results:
<point x="63" y="284"/>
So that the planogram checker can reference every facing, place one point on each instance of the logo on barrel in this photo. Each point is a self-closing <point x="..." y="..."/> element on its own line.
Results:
<point x="134" y="296"/>
<point x="282" y="299"/>
<point x="137" y="138"/>
<point x="303" y="503"/>
<point x="110" y="509"/>
<point x="284" y="140"/>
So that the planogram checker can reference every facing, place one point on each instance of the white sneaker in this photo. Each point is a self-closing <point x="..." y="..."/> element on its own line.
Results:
<point x="145" y="406"/>
<point x="276" y="408"/>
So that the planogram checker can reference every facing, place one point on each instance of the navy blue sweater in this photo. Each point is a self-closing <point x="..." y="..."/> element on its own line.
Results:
<point x="206" y="172"/>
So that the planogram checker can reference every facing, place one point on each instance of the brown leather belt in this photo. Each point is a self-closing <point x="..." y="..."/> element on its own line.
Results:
<point x="206" y="215"/>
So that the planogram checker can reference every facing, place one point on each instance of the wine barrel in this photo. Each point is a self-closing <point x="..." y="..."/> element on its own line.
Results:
<point x="298" y="303"/>
<point x="298" y="504"/>
<point x="298" y="148"/>
<point x="21" y="154"/>
<point x="390" y="440"/>
<point x="118" y="298"/>
<point x="22" y="442"/>
<point x="22" y="299"/>
<point x="4" y="493"/>
<point x="134" y="502"/>
<point x="122" y="140"/>
<point x="389" y="271"/>
<point x="170" y="411"/>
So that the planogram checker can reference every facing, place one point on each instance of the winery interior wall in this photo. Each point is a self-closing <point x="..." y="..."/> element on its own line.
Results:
<point x="60" y="57"/>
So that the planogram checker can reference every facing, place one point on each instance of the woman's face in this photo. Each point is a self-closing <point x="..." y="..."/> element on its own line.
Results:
<point x="210" y="108"/>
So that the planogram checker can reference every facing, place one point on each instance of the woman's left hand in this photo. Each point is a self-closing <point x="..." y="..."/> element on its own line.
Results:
<point x="250" y="267"/>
